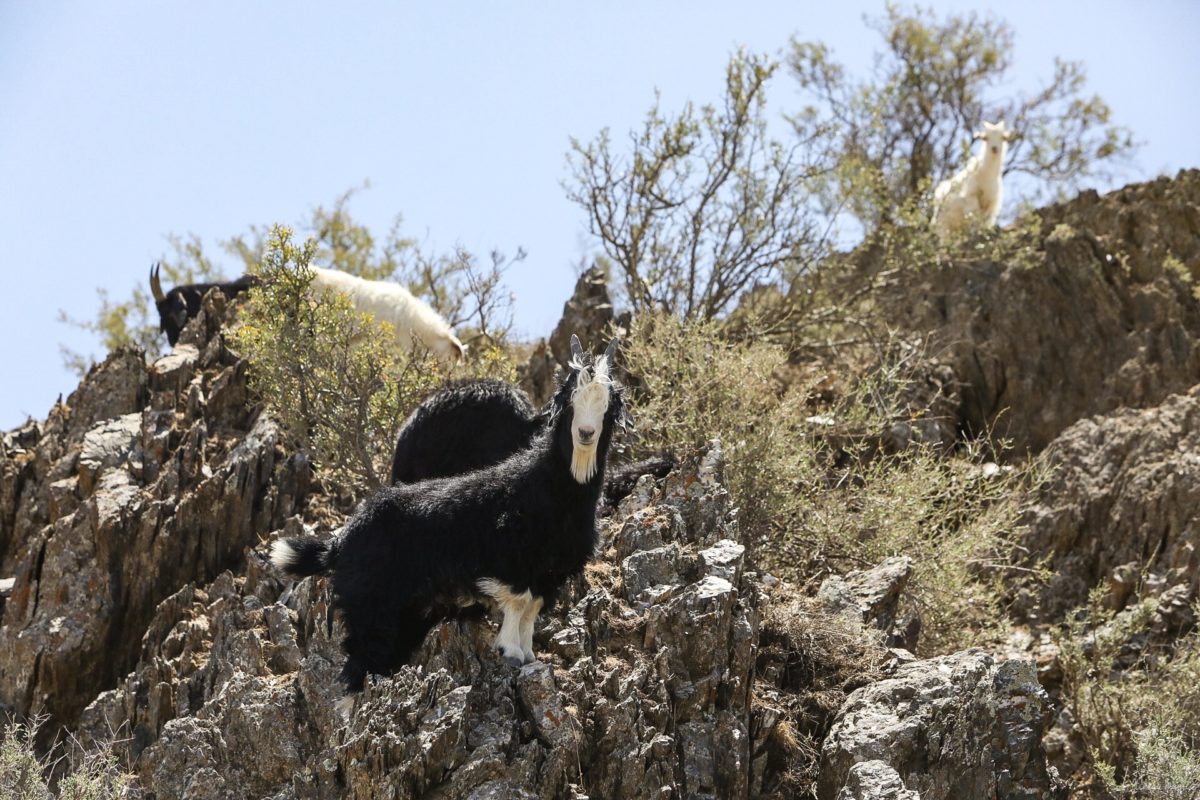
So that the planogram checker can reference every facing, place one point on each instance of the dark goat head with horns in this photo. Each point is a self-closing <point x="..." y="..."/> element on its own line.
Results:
<point x="182" y="303"/>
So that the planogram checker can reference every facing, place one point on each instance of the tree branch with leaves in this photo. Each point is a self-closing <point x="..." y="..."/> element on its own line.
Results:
<point x="935" y="80"/>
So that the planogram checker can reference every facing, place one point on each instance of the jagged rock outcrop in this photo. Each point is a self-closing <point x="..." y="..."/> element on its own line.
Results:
<point x="539" y="374"/>
<point x="148" y="477"/>
<point x="874" y="780"/>
<point x="587" y="313"/>
<point x="642" y="690"/>
<point x="1121" y="508"/>
<point x="1092" y="321"/>
<point x="872" y="597"/>
<point x="644" y="687"/>
<point x="136" y="596"/>
<point x="958" y="726"/>
<point x="1146" y="222"/>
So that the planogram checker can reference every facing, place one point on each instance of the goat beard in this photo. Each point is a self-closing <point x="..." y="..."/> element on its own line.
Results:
<point x="583" y="462"/>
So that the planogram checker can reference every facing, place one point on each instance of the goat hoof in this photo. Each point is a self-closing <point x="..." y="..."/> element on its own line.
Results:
<point x="344" y="708"/>
<point x="529" y="657"/>
<point x="513" y="661"/>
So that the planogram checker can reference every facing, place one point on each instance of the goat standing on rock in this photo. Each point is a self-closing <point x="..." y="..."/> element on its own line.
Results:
<point x="513" y="533"/>
<point x="390" y="302"/>
<point x="182" y="303"/>
<point x="974" y="193"/>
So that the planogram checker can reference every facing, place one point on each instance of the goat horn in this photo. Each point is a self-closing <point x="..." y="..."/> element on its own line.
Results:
<point x="576" y="348"/>
<point x="156" y="285"/>
<point x="611" y="352"/>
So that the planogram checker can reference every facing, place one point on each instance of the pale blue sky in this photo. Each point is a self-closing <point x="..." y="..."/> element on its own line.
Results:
<point x="121" y="122"/>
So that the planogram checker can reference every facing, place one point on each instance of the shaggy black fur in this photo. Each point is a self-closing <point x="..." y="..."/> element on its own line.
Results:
<point x="478" y="422"/>
<point x="183" y="302"/>
<point x="468" y="425"/>
<point x="623" y="477"/>
<point x="414" y="551"/>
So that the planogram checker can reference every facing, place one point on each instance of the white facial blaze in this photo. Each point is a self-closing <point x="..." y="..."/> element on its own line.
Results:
<point x="995" y="137"/>
<point x="589" y="401"/>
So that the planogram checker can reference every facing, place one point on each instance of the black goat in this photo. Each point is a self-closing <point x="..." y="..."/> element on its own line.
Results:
<point x="467" y="425"/>
<point x="477" y="422"/>
<point x="514" y="532"/>
<point x="182" y="303"/>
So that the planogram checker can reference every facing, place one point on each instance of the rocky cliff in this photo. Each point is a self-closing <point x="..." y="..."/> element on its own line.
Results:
<point x="135" y="519"/>
<point x="1091" y="319"/>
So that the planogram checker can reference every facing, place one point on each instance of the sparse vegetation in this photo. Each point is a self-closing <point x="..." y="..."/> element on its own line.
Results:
<point x="815" y="482"/>
<point x="814" y="660"/>
<point x="707" y="205"/>
<point x="26" y="776"/>
<point x="1118" y="674"/>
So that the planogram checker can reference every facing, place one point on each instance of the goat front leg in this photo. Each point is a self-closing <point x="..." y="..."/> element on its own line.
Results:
<point x="527" y="620"/>
<point x="514" y="607"/>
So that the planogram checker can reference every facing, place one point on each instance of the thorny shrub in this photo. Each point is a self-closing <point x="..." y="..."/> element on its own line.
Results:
<point x="816" y="488"/>
<point x="808" y="662"/>
<point x="24" y="775"/>
<point x="1135" y="698"/>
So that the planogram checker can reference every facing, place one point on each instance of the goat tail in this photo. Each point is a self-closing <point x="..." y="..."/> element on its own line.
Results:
<point x="302" y="556"/>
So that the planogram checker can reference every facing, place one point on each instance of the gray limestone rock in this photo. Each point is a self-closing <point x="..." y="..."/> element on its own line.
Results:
<point x="963" y="725"/>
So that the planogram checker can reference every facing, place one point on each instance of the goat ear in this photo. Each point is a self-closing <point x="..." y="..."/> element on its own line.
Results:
<point x="611" y="353"/>
<point x="576" y="348"/>
<point x="554" y="408"/>
<point x="1010" y="136"/>
<point x="156" y="284"/>
<point x="977" y="137"/>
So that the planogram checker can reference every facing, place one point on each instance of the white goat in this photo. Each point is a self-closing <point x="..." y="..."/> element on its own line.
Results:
<point x="972" y="196"/>
<point x="392" y="303"/>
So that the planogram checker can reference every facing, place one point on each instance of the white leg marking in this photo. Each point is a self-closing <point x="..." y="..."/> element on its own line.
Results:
<point x="513" y="605"/>
<point x="527" y="620"/>
<point x="344" y="707"/>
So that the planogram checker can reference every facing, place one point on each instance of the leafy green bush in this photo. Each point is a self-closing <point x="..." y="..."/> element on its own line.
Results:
<point x="330" y="374"/>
